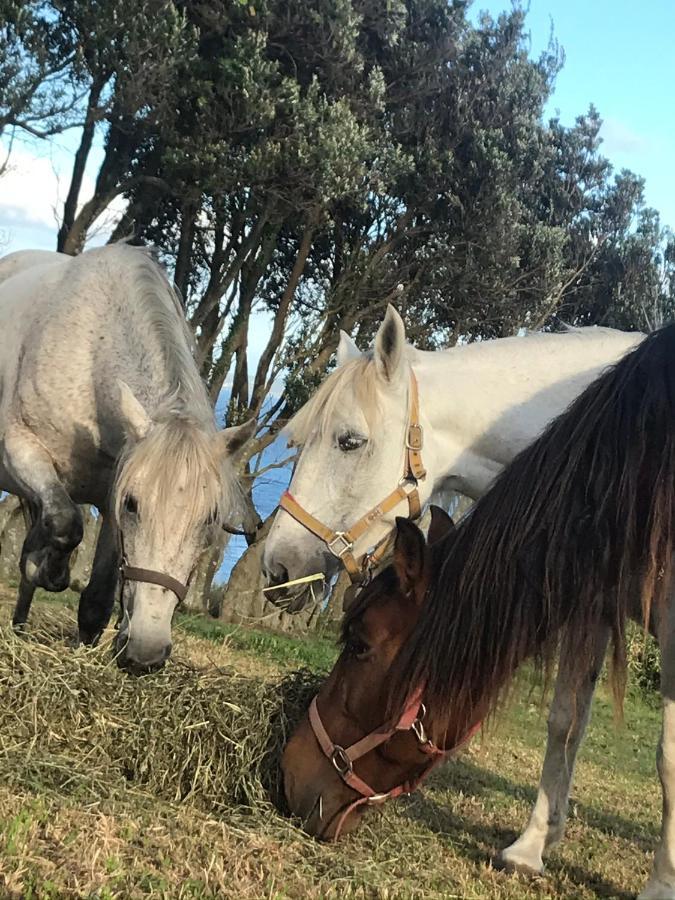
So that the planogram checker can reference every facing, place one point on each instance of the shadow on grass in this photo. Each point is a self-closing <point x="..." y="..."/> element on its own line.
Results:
<point x="481" y="843"/>
<point x="464" y="776"/>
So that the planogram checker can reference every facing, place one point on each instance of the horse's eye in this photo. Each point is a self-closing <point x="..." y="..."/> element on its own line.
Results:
<point x="357" y="648"/>
<point x="350" y="441"/>
<point x="130" y="505"/>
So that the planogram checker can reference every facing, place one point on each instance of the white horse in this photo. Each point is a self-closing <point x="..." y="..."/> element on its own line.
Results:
<point x="101" y="402"/>
<point x="479" y="405"/>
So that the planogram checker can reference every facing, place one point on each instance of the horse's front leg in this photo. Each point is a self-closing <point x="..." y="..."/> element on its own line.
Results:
<point x="567" y="720"/>
<point x="661" y="885"/>
<point x="57" y="526"/>
<point x="26" y="588"/>
<point x="98" y="598"/>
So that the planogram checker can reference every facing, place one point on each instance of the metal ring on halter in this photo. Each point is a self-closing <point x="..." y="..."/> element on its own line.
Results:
<point x="341" y="761"/>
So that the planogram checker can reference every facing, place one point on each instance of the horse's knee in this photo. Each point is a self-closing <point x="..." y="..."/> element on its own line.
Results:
<point x="560" y="724"/>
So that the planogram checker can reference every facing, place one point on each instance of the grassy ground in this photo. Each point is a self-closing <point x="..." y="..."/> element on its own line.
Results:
<point x="129" y="843"/>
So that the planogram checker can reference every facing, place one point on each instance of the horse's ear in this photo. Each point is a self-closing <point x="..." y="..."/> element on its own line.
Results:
<point x="347" y="349"/>
<point x="409" y="556"/>
<point x="233" y="439"/>
<point x="441" y="524"/>
<point x="136" y="418"/>
<point x="390" y="345"/>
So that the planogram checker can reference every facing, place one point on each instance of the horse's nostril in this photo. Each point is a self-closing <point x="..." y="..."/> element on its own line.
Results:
<point x="278" y="575"/>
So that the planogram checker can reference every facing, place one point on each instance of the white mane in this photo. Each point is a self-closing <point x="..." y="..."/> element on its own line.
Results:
<point x="180" y="447"/>
<point x="178" y="450"/>
<point x="158" y="307"/>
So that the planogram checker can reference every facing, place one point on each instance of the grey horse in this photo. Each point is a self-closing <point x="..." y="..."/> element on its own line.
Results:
<point x="101" y="402"/>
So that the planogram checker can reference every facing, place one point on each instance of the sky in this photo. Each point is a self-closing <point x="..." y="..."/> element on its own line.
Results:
<point x="618" y="56"/>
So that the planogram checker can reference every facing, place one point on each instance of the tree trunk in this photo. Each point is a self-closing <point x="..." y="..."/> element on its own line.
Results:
<point x="258" y="393"/>
<point x="244" y="602"/>
<point x="184" y="257"/>
<point x="79" y="166"/>
<point x="109" y="185"/>
<point x="209" y="562"/>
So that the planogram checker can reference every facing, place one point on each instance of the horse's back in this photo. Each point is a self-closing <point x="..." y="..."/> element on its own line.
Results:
<point x="24" y="260"/>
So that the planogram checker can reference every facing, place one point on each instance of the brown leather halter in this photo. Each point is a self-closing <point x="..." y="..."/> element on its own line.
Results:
<point x="343" y="759"/>
<point x="341" y="543"/>
<point x="149" y="576"/>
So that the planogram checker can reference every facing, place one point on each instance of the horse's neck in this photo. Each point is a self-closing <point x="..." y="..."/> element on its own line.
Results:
<point x="483" y="403"/>
<point x="159" y="361"/>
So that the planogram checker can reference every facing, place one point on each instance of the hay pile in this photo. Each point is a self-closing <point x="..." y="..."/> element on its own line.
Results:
<point x="70" y="721"/>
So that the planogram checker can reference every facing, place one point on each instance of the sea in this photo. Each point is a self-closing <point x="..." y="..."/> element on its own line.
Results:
<point x="267" y="489"/>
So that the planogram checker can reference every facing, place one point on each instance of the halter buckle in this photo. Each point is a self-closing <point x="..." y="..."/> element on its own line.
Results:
<point x="415" y="439"/>
<point x="335" y="549"/>
<point x="341" y="761"/>
<point x="419" y="731"/>
<point x="417" y="726"/>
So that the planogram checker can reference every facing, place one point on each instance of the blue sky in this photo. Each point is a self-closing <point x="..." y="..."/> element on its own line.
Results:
<point x="619" y="57"/>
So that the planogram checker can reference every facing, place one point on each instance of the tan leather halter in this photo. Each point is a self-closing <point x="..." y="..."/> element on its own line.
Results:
<point x="341" y="543"/>
<point x="343" y="759"/>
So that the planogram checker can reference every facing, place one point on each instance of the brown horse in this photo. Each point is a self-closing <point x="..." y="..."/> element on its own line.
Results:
<point x="574" y="538"/>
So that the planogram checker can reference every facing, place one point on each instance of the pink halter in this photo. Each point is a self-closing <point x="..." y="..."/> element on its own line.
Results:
<point x="343" y="759"/>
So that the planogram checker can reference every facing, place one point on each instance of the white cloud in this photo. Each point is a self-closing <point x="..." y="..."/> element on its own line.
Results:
<point x="32" y="191"/>
<point x="618" y="137"/>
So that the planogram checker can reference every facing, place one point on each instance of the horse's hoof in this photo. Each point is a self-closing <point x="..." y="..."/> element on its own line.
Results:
<point x="519" y="863"/>
<point x="88" y="638"/>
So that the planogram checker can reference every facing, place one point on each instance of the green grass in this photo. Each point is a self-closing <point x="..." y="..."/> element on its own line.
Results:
<point x="316" y="651"/>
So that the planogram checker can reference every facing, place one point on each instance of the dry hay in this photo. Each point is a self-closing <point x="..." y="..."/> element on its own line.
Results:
<point x="71" y="721"/>
<point x="159" y="788"/>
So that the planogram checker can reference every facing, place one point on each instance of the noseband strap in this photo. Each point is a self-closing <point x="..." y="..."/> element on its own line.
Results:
<point x="341" y="543"/>
<point x="343" y="759"/>
<point x="150" y="576"/>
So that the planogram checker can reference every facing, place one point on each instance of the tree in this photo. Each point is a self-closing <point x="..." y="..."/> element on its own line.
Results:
<point x="307" y="163"/>
<point x="37" y="97"/>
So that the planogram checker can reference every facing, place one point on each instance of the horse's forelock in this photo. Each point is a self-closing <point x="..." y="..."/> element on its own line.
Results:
<point x="357" y="378"/>
<point x="179" y="450"/>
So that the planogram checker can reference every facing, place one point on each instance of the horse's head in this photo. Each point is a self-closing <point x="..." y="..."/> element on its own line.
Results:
<point x="173" y="488"/>
<point x="352" y="703"/>
<point x="353" y="435"/>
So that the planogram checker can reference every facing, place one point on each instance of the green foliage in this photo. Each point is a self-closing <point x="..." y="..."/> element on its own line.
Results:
<point x="315" y="160"/>
<point x="644" y="662"/>
<point x="34" y="97"/>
